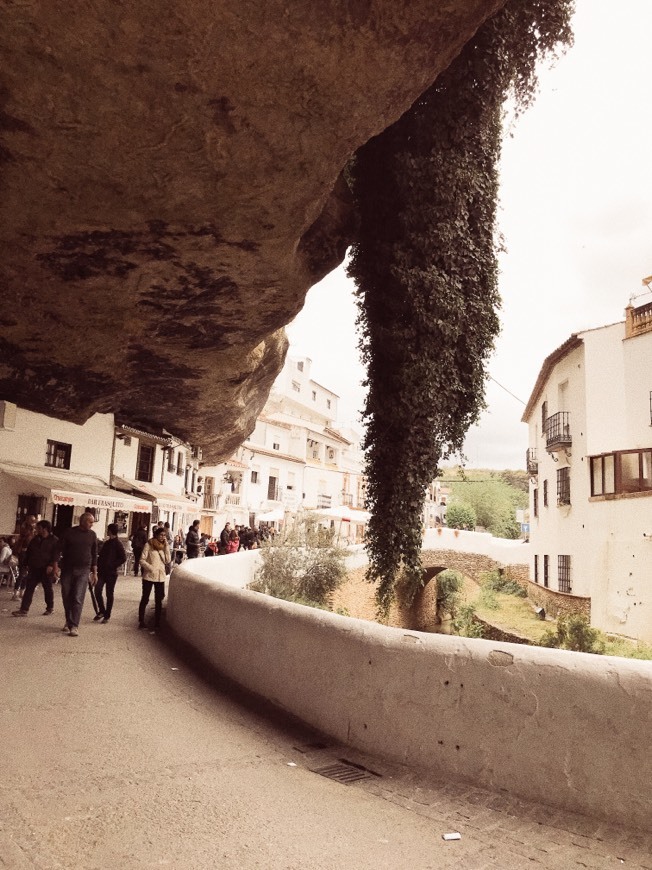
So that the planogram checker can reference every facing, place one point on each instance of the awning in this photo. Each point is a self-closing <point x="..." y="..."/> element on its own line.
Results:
<point x="271" y="516"/>
<point x="74" y="489"/>
<point x="344" y="513"/>
<point x="164" y="499"/>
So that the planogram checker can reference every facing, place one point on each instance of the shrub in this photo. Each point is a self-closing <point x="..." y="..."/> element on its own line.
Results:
<point x="574" y="633"/>
<point x="460" y="516"/>
<point x="464" y="623"/>
<point x="487" y="598"/>
<point x="305" y="566"/>
<point x="449" y="585"/>
<point x="496" y="581"/>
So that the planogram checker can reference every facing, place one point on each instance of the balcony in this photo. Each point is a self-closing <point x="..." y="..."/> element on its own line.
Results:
<point x="232" y="498"/>
<point x="323" y="501"/>
<point x="211" y="502"/>
<point x="347" y="499"/>
<point x="531" y="462"/>
<point x="557" y="431"/>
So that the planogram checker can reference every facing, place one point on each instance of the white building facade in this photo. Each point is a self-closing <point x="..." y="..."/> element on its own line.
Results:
<point x="56" y="470"/>
<point x="296" y="459"/>
<point x="590" y="460"/>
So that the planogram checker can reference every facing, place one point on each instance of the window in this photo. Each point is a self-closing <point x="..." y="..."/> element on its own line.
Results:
<point x="328" y="403"/>
<point x="535" y="502"/>
<point x="290" y="483"/>
<point x="181" y="460"/>
<point x="563" y="573"/>
<point x="254" y="477"/>
<point x="276" y="446"/>
<point x="563" y="486"/>
<point x="624" y="472"/>
<point x="300" y="366"/>
<point x="545" y="493"/>
<point x="314" y="395"/>
<point x="57" y="455"/>
<point x="272" y="488"/>
<point x="145" y="465"/>
<point x="545" y="571"/>
<point x="296" y="386"/>
<point x="171" y="462"/>
<point x="602" y="475"/>
<point x="544" y="417"/>
<point x="536" y="569"/>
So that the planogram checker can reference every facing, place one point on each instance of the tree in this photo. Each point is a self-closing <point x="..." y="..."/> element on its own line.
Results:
<point x="495" y="503"/>
<point x="426" y="272"/>
<point x="449" y="586"/>
<point x="304" y="566"/>
<point x="460" y="516"/>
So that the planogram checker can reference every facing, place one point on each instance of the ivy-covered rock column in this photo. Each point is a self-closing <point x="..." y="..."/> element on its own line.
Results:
<point x="426" y="270"/>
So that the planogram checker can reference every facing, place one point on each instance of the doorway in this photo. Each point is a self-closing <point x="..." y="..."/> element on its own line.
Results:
<point x="61" y="518"/>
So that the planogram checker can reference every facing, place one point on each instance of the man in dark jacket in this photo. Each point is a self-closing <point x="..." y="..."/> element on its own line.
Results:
<point x="138" y="541"/>
<point x="41" y="562"/>
<point x="112" y="555"/>
<point x="224" y="539"/>
<point x="192" y="541"/>
<point x="78" y="569"/>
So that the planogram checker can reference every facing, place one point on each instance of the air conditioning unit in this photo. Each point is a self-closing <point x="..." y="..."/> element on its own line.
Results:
<point x="196" y="452"/>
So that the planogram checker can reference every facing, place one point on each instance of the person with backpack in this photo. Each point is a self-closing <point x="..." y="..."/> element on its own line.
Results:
<point x="112" y="556"/>
<point x="138" y="541"/>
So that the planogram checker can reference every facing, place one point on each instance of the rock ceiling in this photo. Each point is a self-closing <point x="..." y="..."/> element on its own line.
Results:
<point x="171" y="189"/>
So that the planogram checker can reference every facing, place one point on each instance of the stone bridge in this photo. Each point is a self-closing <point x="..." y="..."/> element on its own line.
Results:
<point x="422" y="615"/>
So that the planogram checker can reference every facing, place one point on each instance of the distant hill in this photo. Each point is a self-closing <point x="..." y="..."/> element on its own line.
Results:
<point x="456" y="474"/>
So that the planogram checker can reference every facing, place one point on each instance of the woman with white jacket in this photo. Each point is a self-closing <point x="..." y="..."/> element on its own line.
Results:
<point x="154" y="563"/>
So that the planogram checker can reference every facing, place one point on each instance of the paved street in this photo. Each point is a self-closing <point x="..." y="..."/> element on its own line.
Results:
<point x="117" y="754"/>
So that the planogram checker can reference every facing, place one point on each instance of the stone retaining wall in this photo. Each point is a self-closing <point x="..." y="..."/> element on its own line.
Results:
<point x="562" y="728"/>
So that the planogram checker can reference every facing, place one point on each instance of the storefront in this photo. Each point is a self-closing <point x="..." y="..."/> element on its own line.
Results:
<point x="62" y="498"/>
<point x="167" y="506"/>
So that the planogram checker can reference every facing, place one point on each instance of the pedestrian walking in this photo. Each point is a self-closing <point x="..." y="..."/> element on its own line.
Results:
<point x="26" y="533"/>
<point x="112" y="556"/>
<point x="154" y="562"/>
<point x="138" y="541"/>
<point x="78" y="569"/>
<point x="42" y="563"/>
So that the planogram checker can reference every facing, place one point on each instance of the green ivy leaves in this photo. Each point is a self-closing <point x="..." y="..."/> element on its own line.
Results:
<point x="426" y="271"/>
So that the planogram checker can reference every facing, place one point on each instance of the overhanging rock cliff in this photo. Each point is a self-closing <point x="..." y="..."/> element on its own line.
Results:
<point x="171" y="188"/>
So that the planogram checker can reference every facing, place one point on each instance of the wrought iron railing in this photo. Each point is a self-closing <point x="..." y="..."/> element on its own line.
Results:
<point x="531" y="462"/>
<point x="558" y="432"/>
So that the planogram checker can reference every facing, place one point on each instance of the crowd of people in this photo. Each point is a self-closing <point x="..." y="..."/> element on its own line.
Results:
<point x="79" y="562"/>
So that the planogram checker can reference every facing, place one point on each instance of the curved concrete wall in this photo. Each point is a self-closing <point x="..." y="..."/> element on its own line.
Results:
<point x="567" y="729"/>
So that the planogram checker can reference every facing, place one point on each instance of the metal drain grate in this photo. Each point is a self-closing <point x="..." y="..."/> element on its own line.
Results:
<point x="344" y="771"/>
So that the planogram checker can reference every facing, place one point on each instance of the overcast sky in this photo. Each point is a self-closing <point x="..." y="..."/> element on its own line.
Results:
<point x="576" y="214"/>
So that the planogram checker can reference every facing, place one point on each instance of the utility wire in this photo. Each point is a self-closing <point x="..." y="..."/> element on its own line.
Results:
<point x="507" y="391"/>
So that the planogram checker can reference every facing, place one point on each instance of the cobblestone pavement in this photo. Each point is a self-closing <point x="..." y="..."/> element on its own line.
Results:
<point x="117" y="753"/>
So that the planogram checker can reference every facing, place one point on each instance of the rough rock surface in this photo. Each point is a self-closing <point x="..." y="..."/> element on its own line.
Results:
<point x="171" y="188"/>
